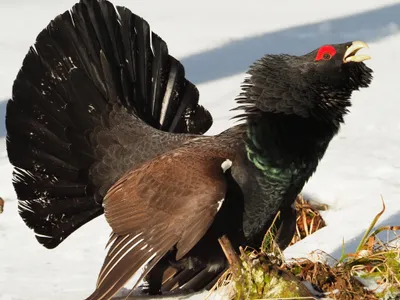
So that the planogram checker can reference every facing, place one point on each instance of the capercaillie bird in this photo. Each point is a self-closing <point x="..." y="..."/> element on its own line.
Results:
<point x="102" y="119"/>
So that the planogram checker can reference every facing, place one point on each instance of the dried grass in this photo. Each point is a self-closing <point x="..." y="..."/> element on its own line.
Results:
<point x="373" y="259"/>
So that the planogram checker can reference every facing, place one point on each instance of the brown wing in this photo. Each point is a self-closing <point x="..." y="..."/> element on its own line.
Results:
<point x="169" y="201"/>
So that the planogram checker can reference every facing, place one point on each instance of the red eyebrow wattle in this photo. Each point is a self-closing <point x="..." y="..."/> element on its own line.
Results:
<point x="327" y="49"/>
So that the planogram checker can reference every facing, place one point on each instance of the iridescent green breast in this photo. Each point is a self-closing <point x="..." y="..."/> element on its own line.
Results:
<point x="263" y="164"/>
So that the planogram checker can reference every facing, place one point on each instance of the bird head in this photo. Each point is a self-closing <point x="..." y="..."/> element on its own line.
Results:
<point x="337" y="66"/>
<point x="318" y="84"/>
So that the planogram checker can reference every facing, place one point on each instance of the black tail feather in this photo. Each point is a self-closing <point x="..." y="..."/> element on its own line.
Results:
<point x="91" y="71"/>
<point x="191" y="280"/>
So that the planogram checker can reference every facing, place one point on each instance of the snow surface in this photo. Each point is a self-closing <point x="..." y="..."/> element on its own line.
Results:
<point x="216" y="41"/>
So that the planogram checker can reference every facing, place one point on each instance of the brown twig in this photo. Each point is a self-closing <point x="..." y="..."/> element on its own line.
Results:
<point x="230" y="254"/>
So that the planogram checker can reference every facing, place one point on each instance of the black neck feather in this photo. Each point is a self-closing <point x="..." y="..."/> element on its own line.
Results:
<point x="281" y="153"/>
<point x="288" y="140"/>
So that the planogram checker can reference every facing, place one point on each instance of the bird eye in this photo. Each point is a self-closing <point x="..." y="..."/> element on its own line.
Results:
<point x="326" y="56"/>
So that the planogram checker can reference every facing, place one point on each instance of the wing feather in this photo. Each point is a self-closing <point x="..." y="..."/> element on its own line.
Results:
<point x="157" y="207"/>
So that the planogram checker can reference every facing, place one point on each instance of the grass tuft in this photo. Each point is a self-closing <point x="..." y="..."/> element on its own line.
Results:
<point x="265" y="275"/>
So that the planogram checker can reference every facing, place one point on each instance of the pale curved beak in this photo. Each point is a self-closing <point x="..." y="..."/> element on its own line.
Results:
<point x="351" y="53"/>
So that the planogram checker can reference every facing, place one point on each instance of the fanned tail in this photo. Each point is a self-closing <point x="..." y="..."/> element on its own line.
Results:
<point x="79" y="114"/>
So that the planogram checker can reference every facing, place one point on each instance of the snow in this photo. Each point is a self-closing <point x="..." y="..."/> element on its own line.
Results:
<point x="216" y="41"/>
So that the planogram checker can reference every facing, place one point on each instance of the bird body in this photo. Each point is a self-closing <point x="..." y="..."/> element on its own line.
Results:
<point x="102" y="119"/>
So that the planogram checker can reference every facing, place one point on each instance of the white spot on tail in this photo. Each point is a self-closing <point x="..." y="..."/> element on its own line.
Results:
<point x="214" y="267"/>
<point x="43" y="236"/>
<point x="226" y="165"/>
<point x="91" y="108"/>
<point x="24" y="207"/>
